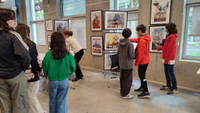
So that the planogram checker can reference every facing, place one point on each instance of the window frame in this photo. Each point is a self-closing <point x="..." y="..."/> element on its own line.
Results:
<point x="31" y="22"/>
<point x="184" y="42"/>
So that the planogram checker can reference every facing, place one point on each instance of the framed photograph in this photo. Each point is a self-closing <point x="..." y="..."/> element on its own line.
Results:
<point x="61" y="25"/>
<point x="115" y="20"/>
<point x="157" y="34"/>
<point x="111" y="41"/>
<point x="107" y="60"/>
<point x="96" y="20"/>
<point x="49" y="25"/>
<point x="49" y="40"/>
<point x="97" y="46"/>
<point x="160" y="11"/>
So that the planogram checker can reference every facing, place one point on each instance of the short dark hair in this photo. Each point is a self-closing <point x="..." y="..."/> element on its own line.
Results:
<point x="58" y="46"/>
<point x="5" y="15"/>
<point x="171" y="27"/>
<point x="141" y="27"/>
<point x="126" y="33"/>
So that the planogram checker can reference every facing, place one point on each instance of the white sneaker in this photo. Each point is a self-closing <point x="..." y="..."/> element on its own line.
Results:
<point x="129" y="96"/>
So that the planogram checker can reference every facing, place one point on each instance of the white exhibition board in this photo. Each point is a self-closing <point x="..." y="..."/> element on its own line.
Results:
<point x="79" y="31"/>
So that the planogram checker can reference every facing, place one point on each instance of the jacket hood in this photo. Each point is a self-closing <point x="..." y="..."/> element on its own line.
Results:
<point x="174" y="34"/>
<point x="124" y="42"/>
<point x="146" y="37"/>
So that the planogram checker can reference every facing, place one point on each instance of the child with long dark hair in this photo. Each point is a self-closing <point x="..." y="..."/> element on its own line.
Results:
<point x="58" y="64"/>
<point x="33" y="83"/>
<point x="168" y="58"/>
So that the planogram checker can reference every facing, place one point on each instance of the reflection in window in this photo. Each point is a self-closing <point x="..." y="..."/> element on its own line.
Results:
<point x="37" y="10"/>
<point x="127" y="4"/>
<point x="192" y="39"/>
<point x="73" y="7"/>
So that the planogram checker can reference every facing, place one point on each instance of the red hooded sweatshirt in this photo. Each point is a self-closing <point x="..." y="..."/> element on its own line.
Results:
<point x="142" y="52"/>
<point x="169" y="49"/>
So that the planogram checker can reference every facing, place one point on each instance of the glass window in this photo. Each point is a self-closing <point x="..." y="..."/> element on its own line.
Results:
<point x="191" y="48"/>
<point x="73" y="7"/>
<point x="35" y="17"/>
<point x="37" y="10"/>
<point x="127" y="4"/>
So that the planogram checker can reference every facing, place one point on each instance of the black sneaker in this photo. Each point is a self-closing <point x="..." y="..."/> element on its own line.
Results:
<point x="139" y="90"/>
<point x="76" y="79"/>
<point x="144" y="95"/>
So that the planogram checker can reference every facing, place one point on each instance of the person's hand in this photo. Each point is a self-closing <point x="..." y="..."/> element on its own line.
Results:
<point x="41" y="73"/>
<point x="159" y="49"/>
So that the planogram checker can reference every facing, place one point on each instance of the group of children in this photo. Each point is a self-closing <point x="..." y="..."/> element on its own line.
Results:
<point x="126" y="54"/>
<point x="20" y="53"/>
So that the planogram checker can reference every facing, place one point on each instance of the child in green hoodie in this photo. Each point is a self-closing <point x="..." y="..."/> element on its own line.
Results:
<point x="58" y="64"/>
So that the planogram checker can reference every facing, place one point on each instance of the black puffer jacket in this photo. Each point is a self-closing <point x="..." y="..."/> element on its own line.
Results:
<point x="35" y="67"/>
<point x="14" y="57"/>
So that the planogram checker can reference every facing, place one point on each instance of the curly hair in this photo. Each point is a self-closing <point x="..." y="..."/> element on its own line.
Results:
<point x="58" y="46"/>
<point x="6" y="14"/>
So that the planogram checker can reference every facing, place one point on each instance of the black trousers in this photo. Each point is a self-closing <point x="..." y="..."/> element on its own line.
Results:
<point x="142" y="74"/>
<point x="126" y="79"/>
<point x="78" y="57"/>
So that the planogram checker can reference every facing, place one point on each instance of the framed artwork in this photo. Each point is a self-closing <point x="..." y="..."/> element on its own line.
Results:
<point x="49" y="25"/>
<point x="96" y="20"/>
<point x="97" y="45"/>
<point x="111" y="41"/>
<point x="61" y="25"/>
<point x="160" y="11"/>
<point x="157" y="34"/>
<point x="49" y="40"/>
<point x="115" y="20"/>
<point x="107" y="60"/>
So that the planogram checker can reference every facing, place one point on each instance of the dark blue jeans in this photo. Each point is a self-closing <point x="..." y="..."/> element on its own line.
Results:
<point x="58" y="96"/>
<point x="170" y="76"/>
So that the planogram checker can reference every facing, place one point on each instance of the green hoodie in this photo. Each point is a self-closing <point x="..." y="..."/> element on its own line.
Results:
<point x="60" y="69"/>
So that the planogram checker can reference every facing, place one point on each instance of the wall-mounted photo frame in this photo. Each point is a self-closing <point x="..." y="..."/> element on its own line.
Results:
<point x="160" y="11"/>
<point x="97" y="45"/>
<point x="111" y="40"/>
<point x="115" y="20"/>
<point x="96" y="20"/>
<point x="61" y="25"/>
<point x="49" y="25"/>
<point x="157" y="34"/>
<point x="49" y="41"/>
<point x="107" y="60"/>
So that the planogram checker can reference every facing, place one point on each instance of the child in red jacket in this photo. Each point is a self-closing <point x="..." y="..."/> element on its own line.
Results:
<point x="142" y="59"/>
<point x="168" y="58"/>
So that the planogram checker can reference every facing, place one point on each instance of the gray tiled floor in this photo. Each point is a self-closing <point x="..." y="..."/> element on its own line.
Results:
<point x="92" y="96"/>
